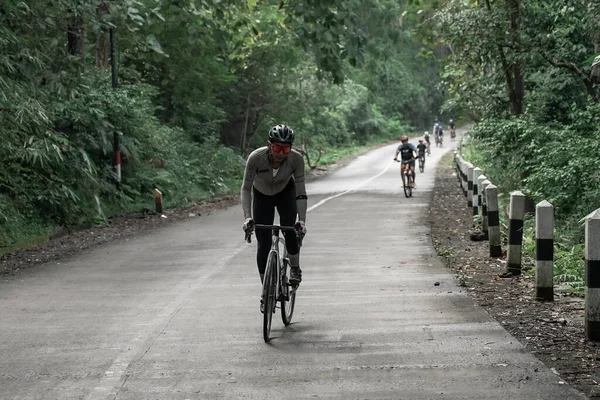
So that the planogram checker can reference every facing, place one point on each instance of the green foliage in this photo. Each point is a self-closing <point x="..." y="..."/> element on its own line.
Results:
<point x="199" y="84"/>
<point x="554" y="163"/>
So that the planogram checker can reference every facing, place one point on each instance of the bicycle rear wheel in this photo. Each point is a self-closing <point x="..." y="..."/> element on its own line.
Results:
<point x="421" y="164"/>
<point x="269" y="294"/>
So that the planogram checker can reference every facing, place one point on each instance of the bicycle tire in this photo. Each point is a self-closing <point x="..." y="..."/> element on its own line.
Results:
<point x="406" y="184"/>
<point x="287" y="306"/>
<point x="269" y="294"/>
<point x="421" y="164"/>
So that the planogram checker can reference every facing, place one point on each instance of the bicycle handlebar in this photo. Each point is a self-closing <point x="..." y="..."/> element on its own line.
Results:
<point x="280" y="227"/>
<point x="248" y="233"/>
<point x="405" y="162"/>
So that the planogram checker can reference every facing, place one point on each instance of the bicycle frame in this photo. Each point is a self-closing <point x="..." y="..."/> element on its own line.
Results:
<point x="276" y="286"/>
<point x="405" y="167"/>
<point x="275" y="239"/>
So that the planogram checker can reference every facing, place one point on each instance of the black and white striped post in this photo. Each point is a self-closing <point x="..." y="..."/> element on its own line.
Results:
<point x="592" y="276"/>
<point x="491" y="198"/>
<point x="476" y="173"/>
<point x="456" y="164"/>
<point x="544" y="251"/>
<point x="458" y="169"/>
<point x="484" y="213"/>
<point x="465" y="179"/>
<point x="480" y="196"/>
<point x="515" y="232"/>
<point x="463" y="166"/>
<point x="470" y="169"/>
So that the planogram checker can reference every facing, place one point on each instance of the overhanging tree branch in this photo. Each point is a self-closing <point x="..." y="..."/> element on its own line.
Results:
<point x="589" y="85"/>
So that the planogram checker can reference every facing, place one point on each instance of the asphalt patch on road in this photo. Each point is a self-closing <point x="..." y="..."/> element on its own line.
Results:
<point x="552" y="331"/>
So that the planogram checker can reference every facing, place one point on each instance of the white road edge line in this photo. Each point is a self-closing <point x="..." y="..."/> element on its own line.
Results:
<point x="350" y="190"/>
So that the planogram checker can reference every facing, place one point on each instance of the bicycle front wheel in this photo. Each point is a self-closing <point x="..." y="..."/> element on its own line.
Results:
<point x="287" y="305"/>
<point x="407" y="188"/>
<point x="269" y="294"/>
<point x="286" y="291"/>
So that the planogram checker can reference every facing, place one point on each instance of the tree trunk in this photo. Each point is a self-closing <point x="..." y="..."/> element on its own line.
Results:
<point x="244" y="134"/>
<point x="512" y="72"/>
<point x="518" y="89"/>
<point x="102" y="41"/>
<point x="75" y="34"/>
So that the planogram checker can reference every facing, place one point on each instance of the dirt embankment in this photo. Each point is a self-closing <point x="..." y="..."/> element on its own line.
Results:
<point x="552" y="331"/>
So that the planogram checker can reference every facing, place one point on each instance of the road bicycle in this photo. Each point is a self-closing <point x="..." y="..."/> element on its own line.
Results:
<point x="276" y="286"/>
<point x="452" y="134"/>
<point x="439" y="140"/>
<point x="406" y="174"/>
<point x="421" y="162"/>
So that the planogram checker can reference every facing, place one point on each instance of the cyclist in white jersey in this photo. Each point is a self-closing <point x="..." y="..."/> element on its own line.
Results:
<point x="274" y="175"/>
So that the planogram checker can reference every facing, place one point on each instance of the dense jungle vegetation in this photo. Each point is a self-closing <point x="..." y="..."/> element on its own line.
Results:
<point x="528" y="73"/>
<point x="199" y="83"/>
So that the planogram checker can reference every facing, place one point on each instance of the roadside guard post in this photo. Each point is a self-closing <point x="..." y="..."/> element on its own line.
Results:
<point x="491" y="198"/>
<point x="158" y="201"/>
<point x="515" y="232"/>
<point x="592" y="276"/>
<point x="470" y="169"/>
<point x="484" y="210"/>
<point x="544" y="251"/>
<point x="476" y="173"/>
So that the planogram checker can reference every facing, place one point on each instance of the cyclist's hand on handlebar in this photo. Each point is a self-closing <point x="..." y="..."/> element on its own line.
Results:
<point x="301" y="227"/>
<point x="248" y="225"/>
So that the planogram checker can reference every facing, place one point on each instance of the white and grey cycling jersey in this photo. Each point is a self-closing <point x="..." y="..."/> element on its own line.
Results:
<point x="259" y="173"/>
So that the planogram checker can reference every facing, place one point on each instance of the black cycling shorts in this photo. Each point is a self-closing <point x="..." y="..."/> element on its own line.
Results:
<point x="263" y="212"/>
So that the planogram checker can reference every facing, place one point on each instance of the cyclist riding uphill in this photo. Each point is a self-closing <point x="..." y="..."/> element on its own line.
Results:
<point x="421" y="147"/>
<point x="438" y="132"/>
<point x="426" y="137"/>
<point x="275" y="176"/>
<point x="407" y="151"/>
<point x="436" y="126"/>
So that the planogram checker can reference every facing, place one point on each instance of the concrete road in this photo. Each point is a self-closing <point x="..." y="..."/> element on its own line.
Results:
<point x="175" y="314"/>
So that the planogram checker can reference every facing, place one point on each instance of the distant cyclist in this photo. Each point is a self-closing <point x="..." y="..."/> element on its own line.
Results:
<point x="426" y="137"/>
<point x="275" y="176"/>
<point x="439" y="133"/>
<point x="436" y="126"/>
<point x="452" y="127"/>
<point x="421" y="148"/>
<point x="407" y="152"/>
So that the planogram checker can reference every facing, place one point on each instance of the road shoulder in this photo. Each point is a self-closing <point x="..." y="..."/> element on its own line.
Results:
<point x="553" y="332"/>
